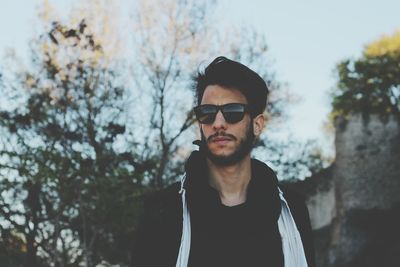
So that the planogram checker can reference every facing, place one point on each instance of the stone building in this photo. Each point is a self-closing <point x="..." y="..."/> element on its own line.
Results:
<point x="355" y="203"/>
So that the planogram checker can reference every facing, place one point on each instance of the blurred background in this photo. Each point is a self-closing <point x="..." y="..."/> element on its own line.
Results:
<point x="95" y="113"/>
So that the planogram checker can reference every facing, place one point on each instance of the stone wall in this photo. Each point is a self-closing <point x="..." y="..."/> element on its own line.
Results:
<point x="355" y="204"/>
<point x="366" y="172"/>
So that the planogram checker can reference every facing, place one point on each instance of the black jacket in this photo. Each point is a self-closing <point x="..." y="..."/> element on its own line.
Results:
<point x="159" y="233"/>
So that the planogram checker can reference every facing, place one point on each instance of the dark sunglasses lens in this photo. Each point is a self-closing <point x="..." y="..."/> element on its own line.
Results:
<point x="205" y="114"/>
<point x="233" y="112"/>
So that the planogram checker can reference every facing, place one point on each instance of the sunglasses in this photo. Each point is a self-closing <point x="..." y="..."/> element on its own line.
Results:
<point x="232" y="112"/>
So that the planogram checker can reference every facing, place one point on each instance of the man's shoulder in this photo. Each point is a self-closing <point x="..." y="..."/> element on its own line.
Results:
<point x="158" y="233"/>
<point x="297" y="204"/>
<point x="162" y="201"/>
<point x="292" y="195"/>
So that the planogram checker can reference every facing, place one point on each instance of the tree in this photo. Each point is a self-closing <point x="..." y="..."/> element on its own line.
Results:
<point x="290" y="159"/>
<point x="370" y="84"/>
<point x="62" y="176"/>
<point x="171" y="39"/>
<point x="11" y="249"/>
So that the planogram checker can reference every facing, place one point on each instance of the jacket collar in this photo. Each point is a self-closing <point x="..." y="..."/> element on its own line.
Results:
<point x="262" y="190"/>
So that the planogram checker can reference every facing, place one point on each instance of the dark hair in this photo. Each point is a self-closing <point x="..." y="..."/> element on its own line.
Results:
<point x="231" y="74"/>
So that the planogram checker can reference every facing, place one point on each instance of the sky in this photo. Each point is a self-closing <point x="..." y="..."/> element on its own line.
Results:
<point x="306" y="39"/>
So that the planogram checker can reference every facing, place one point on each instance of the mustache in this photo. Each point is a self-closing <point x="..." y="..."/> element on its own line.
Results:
<point x="221" y="134"/>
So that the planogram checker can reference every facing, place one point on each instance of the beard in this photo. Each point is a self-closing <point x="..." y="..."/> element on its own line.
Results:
<point x="244" y="148"/>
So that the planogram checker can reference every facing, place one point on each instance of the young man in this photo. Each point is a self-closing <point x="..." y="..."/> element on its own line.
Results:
<point x="228" y="209"/>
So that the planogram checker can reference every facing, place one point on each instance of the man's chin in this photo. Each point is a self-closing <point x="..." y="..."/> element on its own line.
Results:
<point x="228" y="155"/>
<point x="221" y="151"/>
<point x="224" y="159"/>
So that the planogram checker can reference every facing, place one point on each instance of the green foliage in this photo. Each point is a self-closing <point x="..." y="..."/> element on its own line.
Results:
<point x="370" y="84"/>
<point x="11" y="249"/>
<point x="66" y="189"/>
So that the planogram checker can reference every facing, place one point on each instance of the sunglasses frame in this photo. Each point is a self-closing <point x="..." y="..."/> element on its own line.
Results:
<point x="197" y="111"/>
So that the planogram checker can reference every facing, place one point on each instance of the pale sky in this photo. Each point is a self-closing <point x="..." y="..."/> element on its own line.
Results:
<point x="306" y="38"/>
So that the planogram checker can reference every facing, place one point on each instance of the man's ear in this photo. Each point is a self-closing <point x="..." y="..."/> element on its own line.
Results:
<point x="258" y="124"/>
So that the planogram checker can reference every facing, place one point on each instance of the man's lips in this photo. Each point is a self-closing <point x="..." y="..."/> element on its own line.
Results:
<point x="221" y="140"/>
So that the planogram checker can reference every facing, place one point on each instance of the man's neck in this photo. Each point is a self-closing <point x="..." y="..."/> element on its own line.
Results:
<point x="231" y="181"/>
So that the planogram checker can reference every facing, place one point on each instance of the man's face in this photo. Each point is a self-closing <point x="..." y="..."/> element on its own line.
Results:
<point x="226" y="143"/>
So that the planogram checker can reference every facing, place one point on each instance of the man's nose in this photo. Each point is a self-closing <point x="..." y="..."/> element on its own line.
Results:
<point x="219" y="121"/>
